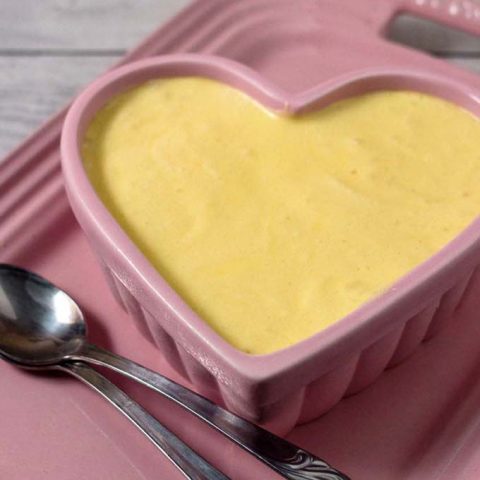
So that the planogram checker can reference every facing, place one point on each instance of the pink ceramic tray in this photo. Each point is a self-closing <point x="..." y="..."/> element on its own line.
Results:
<point x="419" y="421"/>
<point x="289" y="47"/>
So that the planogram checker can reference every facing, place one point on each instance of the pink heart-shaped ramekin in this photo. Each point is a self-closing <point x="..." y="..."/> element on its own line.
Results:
<point x="301" y="382"/>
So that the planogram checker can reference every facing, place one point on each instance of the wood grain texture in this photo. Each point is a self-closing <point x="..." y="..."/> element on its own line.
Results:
<point x="60" y="25"/>
<point x="472" y="64"/>
<point x="432" y="37"/>
<point x="37" y="87"/>
<point x="49" y="49"/>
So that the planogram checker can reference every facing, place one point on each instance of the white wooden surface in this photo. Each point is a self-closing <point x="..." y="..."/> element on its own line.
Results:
<point x="49" y="49"/>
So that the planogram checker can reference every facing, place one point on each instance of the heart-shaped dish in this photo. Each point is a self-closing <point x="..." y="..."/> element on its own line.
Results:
<point x="302" y="381"/>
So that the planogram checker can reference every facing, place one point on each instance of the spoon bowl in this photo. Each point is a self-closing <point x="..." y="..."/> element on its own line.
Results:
<point x="42" y="327"/>
<point x="40" y="324"/>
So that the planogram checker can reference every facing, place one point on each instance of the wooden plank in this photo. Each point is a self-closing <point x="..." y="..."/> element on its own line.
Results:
<point x="430" y="36"/>
<point x="50" y="49"/>
<point x="33" y="89"/>
<point x="60" y="25"/>
<point x="472" y="64"/>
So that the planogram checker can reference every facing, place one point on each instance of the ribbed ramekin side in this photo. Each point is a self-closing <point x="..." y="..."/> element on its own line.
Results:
<point x="448" y="303"/>
<point x="352" y="375"/>
<point x="413" y="334"/>
<point x="363" y="368"/>
<point x="391" y="350"/>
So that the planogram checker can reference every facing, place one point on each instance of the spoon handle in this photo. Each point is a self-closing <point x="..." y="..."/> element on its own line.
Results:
<point x="285" y="458"/>
<point x="187" y="461"/>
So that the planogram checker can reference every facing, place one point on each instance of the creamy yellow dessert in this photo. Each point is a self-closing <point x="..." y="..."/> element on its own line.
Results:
<point x="273" y="227"/>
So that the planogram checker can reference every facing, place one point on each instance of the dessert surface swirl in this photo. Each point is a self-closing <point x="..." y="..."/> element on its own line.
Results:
<point x="273" y="227"/>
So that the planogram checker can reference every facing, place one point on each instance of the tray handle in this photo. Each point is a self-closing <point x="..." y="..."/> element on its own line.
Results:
<point x="460" y="14"/>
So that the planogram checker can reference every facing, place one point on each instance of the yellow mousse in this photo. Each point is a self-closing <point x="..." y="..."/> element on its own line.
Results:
<point x="273" y="227"/>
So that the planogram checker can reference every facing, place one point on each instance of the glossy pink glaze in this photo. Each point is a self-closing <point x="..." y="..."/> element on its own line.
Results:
<point x="419" y="421"/>
<point x="276" y="389"/>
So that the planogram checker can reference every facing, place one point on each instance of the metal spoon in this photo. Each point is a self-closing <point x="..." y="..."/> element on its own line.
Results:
<point x="42" y="327"/>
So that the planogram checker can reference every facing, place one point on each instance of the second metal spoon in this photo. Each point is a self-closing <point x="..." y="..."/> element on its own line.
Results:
<point x="41" y="326"/>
